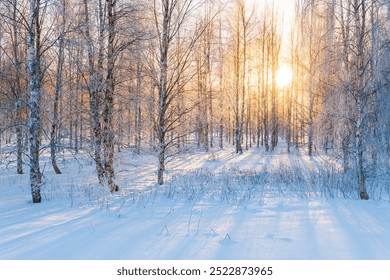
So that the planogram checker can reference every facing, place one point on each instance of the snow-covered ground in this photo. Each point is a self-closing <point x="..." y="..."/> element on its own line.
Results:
<point x="214" y="206"/>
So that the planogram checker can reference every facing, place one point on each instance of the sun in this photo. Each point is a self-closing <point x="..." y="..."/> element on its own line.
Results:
<point x="284" y="76"/>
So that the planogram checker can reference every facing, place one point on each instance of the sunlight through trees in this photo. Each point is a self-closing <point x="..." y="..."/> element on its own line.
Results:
<point x="166" y="76"/>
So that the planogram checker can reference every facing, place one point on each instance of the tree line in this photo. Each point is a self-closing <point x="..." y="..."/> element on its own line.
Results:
<point x="164" y="76"/>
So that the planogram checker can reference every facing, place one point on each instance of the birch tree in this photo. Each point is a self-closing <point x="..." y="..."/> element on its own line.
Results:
<point x="359" y="90"/>
<point x="94" y="78"/>
<point x="169" y="17"/>
<point x="108" y="111"/>
<point x="58" y="87"/>
<point x="13" y="16"/>
<point x="274" y="53"/>
<point x="35" y="74"/>
<point x="241" y="32"/>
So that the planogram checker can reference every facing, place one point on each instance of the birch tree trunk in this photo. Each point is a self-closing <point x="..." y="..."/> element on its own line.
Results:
<point x="34" y="70"/>
<point x="240" y="61"/>
<point x="94" y="98"/>
<point x="275" y="51"/>
<point x="220" y="89"/>
<point x="58" y="91"/>
<point x="162" y="90"/>
<point x="360" y="95"/>
<point x="310" y="121"/>
<point x="264" y="83"/>
<point x="170" y="16"/>
<point x="18" y="102"/>
<point x="108" y="129"/>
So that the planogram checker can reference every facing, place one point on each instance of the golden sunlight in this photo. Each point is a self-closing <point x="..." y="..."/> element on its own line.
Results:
<point x="284" y="76"/>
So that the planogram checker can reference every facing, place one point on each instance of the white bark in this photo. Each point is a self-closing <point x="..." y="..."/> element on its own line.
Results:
<point x="35" y="99"/>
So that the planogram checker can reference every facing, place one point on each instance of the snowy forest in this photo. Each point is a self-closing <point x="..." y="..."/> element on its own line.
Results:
<point x="130" y="104"/>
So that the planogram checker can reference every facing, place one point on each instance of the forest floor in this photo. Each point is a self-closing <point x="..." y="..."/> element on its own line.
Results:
<point x="216" y="205"/>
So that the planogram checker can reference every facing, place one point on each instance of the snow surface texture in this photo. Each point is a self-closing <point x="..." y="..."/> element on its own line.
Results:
<point x="214" y="206"/>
